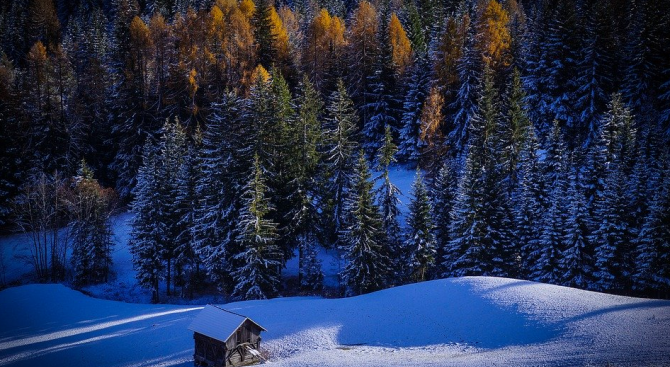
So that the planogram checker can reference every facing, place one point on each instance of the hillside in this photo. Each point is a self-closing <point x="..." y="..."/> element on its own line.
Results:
<point x="468" y="321"/>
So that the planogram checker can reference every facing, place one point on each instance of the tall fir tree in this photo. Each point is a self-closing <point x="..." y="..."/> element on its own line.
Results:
<point x="550" y="245"/>
<point x="147" y="233"/>
<point x="442" y="192"/>
<point x="420" y="239"/>
<point x="263" y="34"/>
<point x="91" y="207"/>
<point x="653" y="259"/>
<point x="223" y="162"/>
<point x="389" y="202"/>
<point x="410" y="144"/>
<point x="305" y="217"/>
<point x="259" y="276"/>
<point x="577" y="259"/>
<point x="339" y="148"/>
<point x="367" y="264"/>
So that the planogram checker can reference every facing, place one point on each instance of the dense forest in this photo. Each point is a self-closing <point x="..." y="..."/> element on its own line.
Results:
<point x="242" y="133"/>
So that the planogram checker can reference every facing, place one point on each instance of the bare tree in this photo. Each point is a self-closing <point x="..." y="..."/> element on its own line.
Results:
<point x="40" y="214"/>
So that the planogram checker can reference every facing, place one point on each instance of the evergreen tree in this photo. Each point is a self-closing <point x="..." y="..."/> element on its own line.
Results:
<point x="339" y="147"/>
<point x="367" y="265"/>
<point x="443" y="191"/>
<point x="186" y="261"/>
<point x="420" y="239"/>
<point x="552" y="230"/>
<point x="305" y="217"/>
<point x="90" y="207"/>
<point x="410" y="144"/>
<point x="259" y="277"/>
<point x="388" y="201"/>
<point x="173" y="149"/>
<point x="464" y="106"/>
<point x="576" y="261"/>
<point x="383" y="107"/>
<point x="148" y="231"/>
<point x="653" y="259"/>
<point x="595" y="73"/>
<point x="610" y="236"/>
<point x="530" y="200"/>
<point x="311" y="274"/>
<point x="223" y="162"/>
<point x="608" y="205"/>
<point x="263" y="34"/>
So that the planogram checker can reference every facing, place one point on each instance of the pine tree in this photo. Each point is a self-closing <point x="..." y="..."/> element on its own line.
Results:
<point x="442" y="192"/>
<point x="172" y="146"/>
<point x="481" y="229"/>
<point x="609" y="237"/>
<point x="363" y="52"/>
<point x="186" y="260"/>
<point x="410" y="145"/>
<point x="420" y="238"/>
<point x="608" y="204"/>
<point x="305" y="217"/>
<point x="530" y="199"/>
<point x="367" y="265"/>
<point x="381" y="106"/>
<point x="595" y="73"/>
<point x="148" y="230"/>
<point x="339" y="147"/>
<point x="465" y="103"/>
<point x="550" y="244"/>
<point x="653" y="261"/>
<point x="311" y="274"/>
<point x="224" y="160"/>
<point x="389" y="201"/>
<point x="259" y="277"/>
<point x="264" y="36"/>
<point x="577" y="262"/>
<point x="90" y="208"/>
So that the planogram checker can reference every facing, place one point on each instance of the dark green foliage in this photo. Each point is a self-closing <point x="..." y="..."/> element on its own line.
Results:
<point x="367" y="264"/>
<point x="259" y="277"/>
<point x="420" y="239"/>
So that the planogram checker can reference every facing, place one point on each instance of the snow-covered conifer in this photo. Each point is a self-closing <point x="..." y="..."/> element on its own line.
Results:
<point x="259" y="276"/>
<point x="420" y="239"/>
<point x="367" y="265"/>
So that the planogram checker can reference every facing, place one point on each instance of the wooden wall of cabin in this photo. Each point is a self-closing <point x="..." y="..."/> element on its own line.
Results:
<point x="208" y="351"/>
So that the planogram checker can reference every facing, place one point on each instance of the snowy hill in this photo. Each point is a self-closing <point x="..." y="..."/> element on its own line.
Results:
<point x="469" y="321"/>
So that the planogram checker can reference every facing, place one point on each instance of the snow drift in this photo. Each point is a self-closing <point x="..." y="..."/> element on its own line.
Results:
<point x="468" y="321"/>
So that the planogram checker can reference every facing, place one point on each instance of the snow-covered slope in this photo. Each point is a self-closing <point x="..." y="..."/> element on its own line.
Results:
<point x="469" y="321"/>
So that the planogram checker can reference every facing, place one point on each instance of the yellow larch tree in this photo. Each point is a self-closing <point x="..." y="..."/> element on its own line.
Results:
<point x="247" y="7"/>
<point x="401" y="47"/>
<point x="140" y="53"/>
<point x="431" y="124"/>
<point x="363" y="46"/>
<point x="281" y="44"/>
<point x="494" y="35"/>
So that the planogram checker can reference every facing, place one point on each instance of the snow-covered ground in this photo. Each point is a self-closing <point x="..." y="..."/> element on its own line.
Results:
<point x="474" y="321"/>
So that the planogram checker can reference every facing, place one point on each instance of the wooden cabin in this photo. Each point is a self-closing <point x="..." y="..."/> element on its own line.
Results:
<point x="224" y="338"/>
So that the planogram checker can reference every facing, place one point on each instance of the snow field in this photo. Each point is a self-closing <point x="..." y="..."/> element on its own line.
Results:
<point x="470" y="321"/>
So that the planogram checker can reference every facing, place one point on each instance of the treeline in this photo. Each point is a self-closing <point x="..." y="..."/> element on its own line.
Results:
<point x="542" y="129"/>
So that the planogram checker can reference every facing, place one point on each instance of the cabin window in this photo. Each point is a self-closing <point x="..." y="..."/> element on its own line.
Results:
<point x="239" y="336"/>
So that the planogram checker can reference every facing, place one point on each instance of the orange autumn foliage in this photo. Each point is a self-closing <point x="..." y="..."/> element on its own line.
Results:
<point x="495" y="39"/>
<point x="401" y="47"/>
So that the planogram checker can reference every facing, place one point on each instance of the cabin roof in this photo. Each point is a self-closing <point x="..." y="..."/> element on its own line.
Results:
<point x="218" y="323"/>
